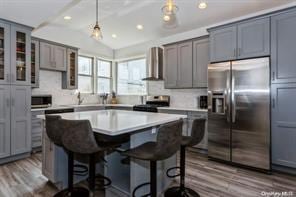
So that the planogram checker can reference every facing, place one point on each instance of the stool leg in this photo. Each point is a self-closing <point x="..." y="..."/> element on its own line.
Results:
<point x="70" y="171"/>
<point x="153" y="178"/>
<point x="92" y="174"/>
<point x="182" y="168"/>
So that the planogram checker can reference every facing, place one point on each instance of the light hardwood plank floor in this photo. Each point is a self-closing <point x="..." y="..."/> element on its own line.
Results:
<point x="24" y="179"/>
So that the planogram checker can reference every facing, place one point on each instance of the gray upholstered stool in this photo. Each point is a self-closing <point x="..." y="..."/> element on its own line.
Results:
<point x="167" y="144"/>
<point x="197" y="134"/>
<point x="79" y="140"/>
<point x="54" y="133"/>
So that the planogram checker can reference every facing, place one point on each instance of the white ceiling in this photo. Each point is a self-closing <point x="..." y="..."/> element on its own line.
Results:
<point x="120" y="17"/>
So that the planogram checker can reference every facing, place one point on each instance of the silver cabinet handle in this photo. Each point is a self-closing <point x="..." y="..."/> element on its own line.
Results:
<point x="273" y="103"/>
<point x="239" y="52"/>
<point x="12" y="78"/>
<point x="234" y="53"/>
<point x="273" y="75"/>
<point x="8" y="78"/>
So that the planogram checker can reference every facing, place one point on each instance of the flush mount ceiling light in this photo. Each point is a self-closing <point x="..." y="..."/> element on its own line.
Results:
<point x="202" y="5"/>
<point x="114" y="36"/>
<point x="97" y="34"/>
<point x="140" y="27"/>
<point x="67" y="17"/>
<point x="169" y="11"/>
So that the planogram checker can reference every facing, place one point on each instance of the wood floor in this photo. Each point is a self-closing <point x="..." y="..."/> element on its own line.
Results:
<point x="24" y="179"/>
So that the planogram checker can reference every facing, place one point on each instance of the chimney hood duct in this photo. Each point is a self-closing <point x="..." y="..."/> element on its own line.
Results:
<point x="155" y="64"/>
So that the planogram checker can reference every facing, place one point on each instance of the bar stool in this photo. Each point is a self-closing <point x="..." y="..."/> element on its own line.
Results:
<point x="197" y="134"/>
<point x="167" y="144"/>
<point x="54" y="133"/>
<point x="79" y="140"/>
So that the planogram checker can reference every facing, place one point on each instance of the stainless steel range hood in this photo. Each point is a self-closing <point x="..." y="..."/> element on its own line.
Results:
<point x="155" y="64"/>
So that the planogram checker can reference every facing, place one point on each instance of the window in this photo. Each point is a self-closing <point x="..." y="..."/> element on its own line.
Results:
<point x="85" y="74"/>
<point x="103" y="76"/>
<point x="129" y="77"/>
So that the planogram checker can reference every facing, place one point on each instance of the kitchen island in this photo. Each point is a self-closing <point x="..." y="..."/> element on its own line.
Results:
<point x="140" y="126"/>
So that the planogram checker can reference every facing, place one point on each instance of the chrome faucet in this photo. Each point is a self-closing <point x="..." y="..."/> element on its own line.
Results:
<point x="80" y="100"/>
<point x="104" y="97"/>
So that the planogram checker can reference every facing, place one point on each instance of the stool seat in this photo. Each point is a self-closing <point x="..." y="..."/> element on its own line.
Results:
<point x="186" y="140"/>
<point x="146" y="151"/>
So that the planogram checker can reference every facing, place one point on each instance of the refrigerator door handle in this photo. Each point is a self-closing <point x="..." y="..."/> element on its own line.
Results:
<point x="233" y="101"/>
<point x="227" y="97"/>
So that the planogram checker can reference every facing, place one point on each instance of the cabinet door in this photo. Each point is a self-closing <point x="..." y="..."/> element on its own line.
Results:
<point x="70" y="78"/>
<point x="200" y="63"/>
<point x="253" y="38"/>
<point x="60" y="58"/>
<point x="171" y="66"/>
<point x="4" y="121"/>
<point x="223" y="44"/>
<point x="283" y="50"/>
<point x="185" y="65"/>
<point x="46" y="55"/>
<point x="20" y="119"/>
<point x="284" y="125"/>
<point x="20" y="56"/>
<point x="35" y="63"/>
<point x="4" y="53"/>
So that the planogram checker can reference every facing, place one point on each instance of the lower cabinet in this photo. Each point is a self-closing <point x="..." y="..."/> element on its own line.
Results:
<point x="284" y="125"/>
<point x="15" y="120"/>
<point x="187" y="124"/>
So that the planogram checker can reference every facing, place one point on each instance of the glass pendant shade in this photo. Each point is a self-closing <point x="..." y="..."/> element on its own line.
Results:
<point x="97" y="34"/>
<point x="170" y="14"/>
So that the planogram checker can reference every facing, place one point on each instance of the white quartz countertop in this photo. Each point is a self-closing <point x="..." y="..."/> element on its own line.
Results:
<point x="184" y="109"/>
<point x="116" y="122"/>
<point x="81" y="106"/>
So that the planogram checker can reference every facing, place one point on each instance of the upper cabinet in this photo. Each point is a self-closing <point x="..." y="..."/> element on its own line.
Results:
<point x="35" y="63"/>
<point x="223" y="44"/>
<point x="4" y="53"/>
<point x="253" y="38"/>
<point x="171" y="66"/>
<point x="283" y="50"/>
<point x="184" y="79"/>
<point x="200" y="62"/>
<point x="15" y="54"/>
<point x="70" y="78"/>
<point x="248" y="39"/>
<point x="53" y="57"/>
<point x="186" y="64"/>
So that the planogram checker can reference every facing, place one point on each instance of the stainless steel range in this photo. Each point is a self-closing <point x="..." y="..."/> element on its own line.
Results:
<point x="152" y="102"/>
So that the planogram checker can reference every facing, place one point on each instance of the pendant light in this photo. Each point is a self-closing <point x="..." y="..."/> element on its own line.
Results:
<point x="169" y="11"/>
<point x="97" y="34"/>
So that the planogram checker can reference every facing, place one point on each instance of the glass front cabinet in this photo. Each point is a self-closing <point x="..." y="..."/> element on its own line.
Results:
<point x="70" y="77"/>
<point x="15" y="54"/>
<point x="35" y="63"/>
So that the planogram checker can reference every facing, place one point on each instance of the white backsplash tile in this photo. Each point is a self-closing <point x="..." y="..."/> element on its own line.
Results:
<point x="51" y="83"/>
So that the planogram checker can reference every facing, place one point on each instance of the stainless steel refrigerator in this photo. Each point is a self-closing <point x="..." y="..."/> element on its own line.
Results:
<point x="239" y="112"/>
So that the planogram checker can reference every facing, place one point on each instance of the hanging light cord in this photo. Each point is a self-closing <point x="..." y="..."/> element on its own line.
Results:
<point x="97" y="14"/>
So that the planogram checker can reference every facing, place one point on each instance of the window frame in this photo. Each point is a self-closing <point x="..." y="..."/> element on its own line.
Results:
<point x="129" y="60"/>
<point x="96" y="76"/>
<point x="85" y="75"/>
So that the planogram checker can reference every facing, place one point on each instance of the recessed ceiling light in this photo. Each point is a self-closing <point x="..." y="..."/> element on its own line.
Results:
<point x="67" y="17"/>
<point x="166" y="18"/>
<point x="114" y="36"/>
<point x="202" y="5"/>
<point x="140" y="27"/>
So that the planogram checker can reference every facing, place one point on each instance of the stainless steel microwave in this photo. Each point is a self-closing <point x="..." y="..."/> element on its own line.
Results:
<point x="41" y="101"/>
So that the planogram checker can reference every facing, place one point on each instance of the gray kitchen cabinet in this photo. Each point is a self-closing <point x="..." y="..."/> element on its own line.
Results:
<point x="4" y="121"/>
<point x="184" y="70"/>
<point x="200" y="62"/>
<point x="82" y="108"/>
<point x="253" y="38"/>
<point x="20" y="119"/>
<point x="223" y="44"/>
<point x="283" y="125"/>
<point x="20" y="55"/>
<point x="283" y="50"/>
<point x="53" y="57"/>
<point x="70" y="78"/>
<point x="35" y="63"/>
<point x="4" y="53"/>
<point x="171" y="66"/>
